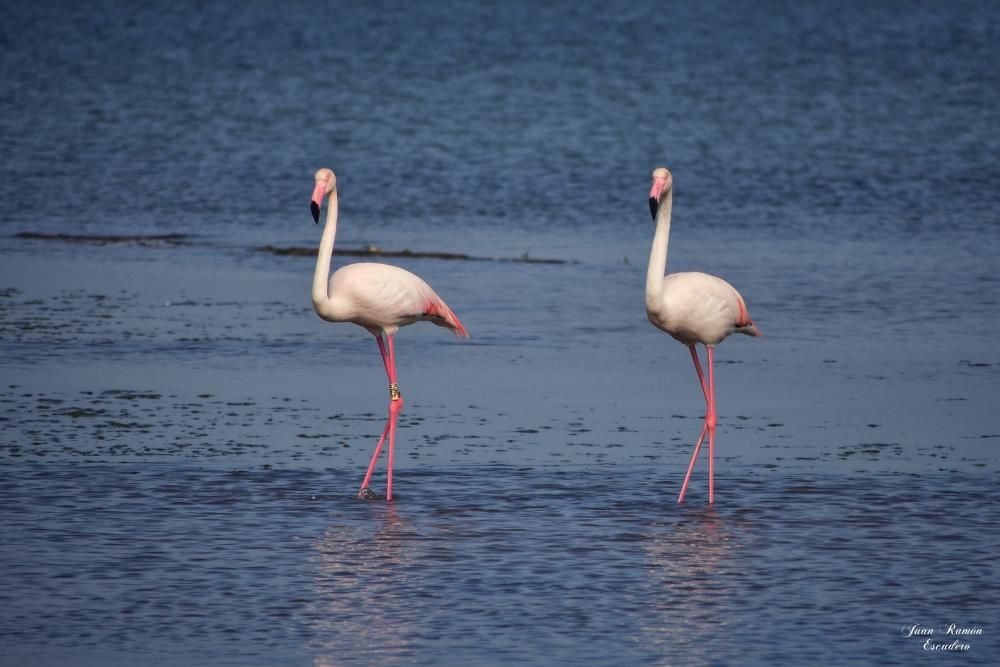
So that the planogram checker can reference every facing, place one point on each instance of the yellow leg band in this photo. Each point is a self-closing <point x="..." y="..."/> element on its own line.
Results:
<point x="394" y="394"/>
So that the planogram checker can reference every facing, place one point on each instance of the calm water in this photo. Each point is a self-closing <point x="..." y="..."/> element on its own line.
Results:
<point x="487" y="565"/>
<point x="181" y="437"/>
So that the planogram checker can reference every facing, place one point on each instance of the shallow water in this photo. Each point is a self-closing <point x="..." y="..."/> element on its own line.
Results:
<point x="588" y="564"/>
<point x="181" y="438"/>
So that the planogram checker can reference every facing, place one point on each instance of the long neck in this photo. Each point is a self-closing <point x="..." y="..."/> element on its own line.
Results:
<point x="321" y="278"/>
<point x="658" y="253"/>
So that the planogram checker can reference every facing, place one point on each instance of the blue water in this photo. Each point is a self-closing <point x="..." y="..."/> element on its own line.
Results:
<point x="581" y="566"/>
<point x="181" y="438"/>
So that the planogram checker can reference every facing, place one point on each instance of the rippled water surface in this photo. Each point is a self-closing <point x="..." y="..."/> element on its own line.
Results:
<point x="181" y="439"/>
<point x="584" y="564"/>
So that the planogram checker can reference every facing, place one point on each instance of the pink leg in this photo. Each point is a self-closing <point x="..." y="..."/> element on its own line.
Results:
<point x="709" y="426"/>
<point x="371" y="466"/>
<point x="701" y="376"/>
<point x="395" y="404"/>
<point x="385" y="355"/>
<point x="694" y="457"/>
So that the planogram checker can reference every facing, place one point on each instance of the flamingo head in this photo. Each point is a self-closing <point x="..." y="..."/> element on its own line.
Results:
<point x="662" y="184"/>
<point x="326" y="181"/>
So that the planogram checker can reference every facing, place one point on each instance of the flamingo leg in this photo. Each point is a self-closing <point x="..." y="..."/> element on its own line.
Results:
<point x="710" y="425"/>
<point x="395" y="403"/>
<point x="701" y="375"/>
<point x="384" y="353"/>
<point x="708" y="428"/>
<point x="371" y="466"/>
<point x="694" y="457"/>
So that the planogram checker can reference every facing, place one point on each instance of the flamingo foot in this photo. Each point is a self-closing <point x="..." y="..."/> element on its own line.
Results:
<point x="366" y="494"/>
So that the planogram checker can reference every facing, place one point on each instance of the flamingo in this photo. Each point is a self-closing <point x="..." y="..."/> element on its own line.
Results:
<point x="379" y="297"/>
<point x="693" y="308"/>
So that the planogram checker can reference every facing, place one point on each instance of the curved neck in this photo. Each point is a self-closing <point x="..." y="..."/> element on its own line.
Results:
<point x="321" y="278"/>
<point x="658" y="253"/>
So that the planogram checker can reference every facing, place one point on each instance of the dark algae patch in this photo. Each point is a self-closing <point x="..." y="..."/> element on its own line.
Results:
<point x="375" y="251"/>
<point x="108" y="239"/>
<point x="159" y="240"/>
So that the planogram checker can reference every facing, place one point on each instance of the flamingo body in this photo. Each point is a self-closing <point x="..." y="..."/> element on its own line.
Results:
<point x="693" y="308"/>
<point x="382" y="298"/>
<point x="697" y="307"/>
<point x="379" y="297"/>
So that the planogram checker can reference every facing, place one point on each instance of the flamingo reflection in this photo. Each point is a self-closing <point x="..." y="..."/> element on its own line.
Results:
<point x="685" y="560"/>
<point x="361" y="571"/>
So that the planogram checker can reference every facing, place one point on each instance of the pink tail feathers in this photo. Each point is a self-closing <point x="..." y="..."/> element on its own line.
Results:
<point x="443" y="316"/>
<point x="744" y="324"/>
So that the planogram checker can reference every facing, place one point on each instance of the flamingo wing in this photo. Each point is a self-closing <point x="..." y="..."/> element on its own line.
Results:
<point x="703" y="308"/>
<point x="381" y="297"/>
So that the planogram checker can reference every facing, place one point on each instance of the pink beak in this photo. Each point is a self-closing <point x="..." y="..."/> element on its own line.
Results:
<point x="654" y="196"/>
<point x="319" y="193"/>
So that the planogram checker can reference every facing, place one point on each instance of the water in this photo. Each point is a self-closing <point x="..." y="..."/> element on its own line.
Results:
<point x="592" y="565"/>
<point x="181" y="437"/>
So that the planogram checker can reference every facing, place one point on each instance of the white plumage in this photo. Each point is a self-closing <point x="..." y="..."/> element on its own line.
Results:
<point x="379" y="297"/>
<point x="693" y="308"/>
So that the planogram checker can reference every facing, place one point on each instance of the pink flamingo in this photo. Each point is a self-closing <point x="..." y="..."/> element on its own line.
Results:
<point x="378" y="297"/>
<point x="693" y="308"/>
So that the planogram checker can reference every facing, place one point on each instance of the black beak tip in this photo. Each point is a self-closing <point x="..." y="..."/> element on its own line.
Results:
<point x="314" y="207"/>
<point x="653" y="205"/>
